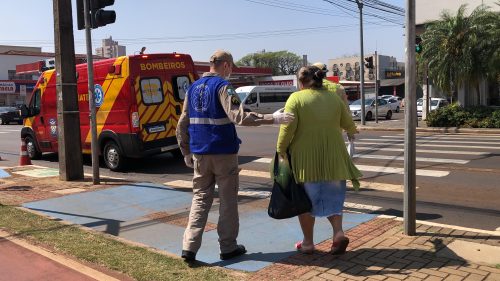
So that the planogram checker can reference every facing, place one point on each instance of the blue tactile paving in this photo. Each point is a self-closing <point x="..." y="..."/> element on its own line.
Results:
<point x="4" y="174"/>
<point x="121" y="210"/>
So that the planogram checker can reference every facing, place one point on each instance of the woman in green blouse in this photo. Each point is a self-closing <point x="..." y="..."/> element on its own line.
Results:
<point x="319" y="156"/>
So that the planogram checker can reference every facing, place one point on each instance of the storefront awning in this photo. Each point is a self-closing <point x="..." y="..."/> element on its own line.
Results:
<point x="392" y="82"/>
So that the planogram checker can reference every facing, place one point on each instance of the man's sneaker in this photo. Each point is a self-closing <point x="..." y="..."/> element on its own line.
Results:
<point x="240" y="250"/>
<point x="188" y="256"/>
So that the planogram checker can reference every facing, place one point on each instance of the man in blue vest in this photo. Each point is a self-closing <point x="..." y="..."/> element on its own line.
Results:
<point x="207" y="137"/>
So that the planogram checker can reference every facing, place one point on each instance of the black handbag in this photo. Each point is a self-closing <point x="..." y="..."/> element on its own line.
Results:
<point x="287" y="201"/>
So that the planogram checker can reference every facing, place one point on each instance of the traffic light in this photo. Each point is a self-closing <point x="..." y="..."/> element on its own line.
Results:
<point x="369" y="62"/>
<point x="418" y="44"/>
<point x="98" y="16"/>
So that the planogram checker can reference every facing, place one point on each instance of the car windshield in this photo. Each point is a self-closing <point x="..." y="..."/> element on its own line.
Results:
<point x="433" y="102"/>
<point x="242" y="95"/>
<point x="358" y="102"/>
<point x="7" y="109"/>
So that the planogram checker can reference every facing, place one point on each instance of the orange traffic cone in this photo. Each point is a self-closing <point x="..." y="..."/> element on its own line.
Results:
<point x="25" y="159"/>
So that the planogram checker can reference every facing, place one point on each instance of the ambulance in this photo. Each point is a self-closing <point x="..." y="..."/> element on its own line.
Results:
<point x="138" y="103"/>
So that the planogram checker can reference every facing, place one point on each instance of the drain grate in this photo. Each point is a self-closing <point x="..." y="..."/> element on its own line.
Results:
<point x="178" y="219"/>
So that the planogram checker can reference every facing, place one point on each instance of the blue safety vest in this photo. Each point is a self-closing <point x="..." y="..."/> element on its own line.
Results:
<point x="210" y="130"/>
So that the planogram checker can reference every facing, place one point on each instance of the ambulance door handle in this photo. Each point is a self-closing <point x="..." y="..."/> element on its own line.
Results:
<point x="178" y="109"/>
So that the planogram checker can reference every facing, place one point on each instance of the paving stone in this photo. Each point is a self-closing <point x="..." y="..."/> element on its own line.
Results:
<point x="454" y="278"/>
<point x="454" y="271"/>
<point x="493" y="277"/>
<point x="310" y="275"/>
<point x="434" y="272"/>
<point x="474" y="271"/>
<point x="328" y="276"/>
<point x="351" y="277"/>
<point x="490" y="269"/>
<point x="475" y="277"/>
<point x="433" y="278"/>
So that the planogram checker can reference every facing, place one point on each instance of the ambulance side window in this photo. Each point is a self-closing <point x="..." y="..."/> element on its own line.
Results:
<point x="35" y="103"/>
<point x="151" y="91"/>
<point x="181" y="86"/>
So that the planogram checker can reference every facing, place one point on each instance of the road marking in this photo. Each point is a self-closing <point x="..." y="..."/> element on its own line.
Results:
<point x="493" y="138"/>
<point x="379" y="169"/>
<point x="431" y="141"/>
<point x="428" y="145"/>
<point x="69" y="190"/>
<point x="361" y="206"/>
<point x="423" y="151"/>
<point x="420" y="159"/>
<point x="104" y="177"/>
<point x="263" y="160"/>
<point x="401" y="171"/>
<point x="74" y="265"/>
<point x="179" y="183"/>
<point x="456" y="227"/>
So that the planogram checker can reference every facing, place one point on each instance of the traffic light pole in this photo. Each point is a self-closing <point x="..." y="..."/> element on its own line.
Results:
<point x="410" y="123"/>
<point x="68" y="114"/>
<point x="92" y="115"/>
<point x="376" y="88"/>
<point x="361" y="63"/>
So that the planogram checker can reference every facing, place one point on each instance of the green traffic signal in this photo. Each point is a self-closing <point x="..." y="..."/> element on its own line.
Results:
<point x="418" y="44"/>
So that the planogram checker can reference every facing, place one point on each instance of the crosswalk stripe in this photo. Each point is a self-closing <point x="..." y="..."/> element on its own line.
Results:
<point x="428" y="145"/>
<point x="423" y="151"/>
<point x="401" y="171"/>
<point x="257" y="174"/>
<point x="420" y="159"/>
<point x="4" y="132"/>
<point x="263" y="160"/>
<point x="264" y="194"/>
<point x="457" y="138"/>
<point x="430" y="141"/>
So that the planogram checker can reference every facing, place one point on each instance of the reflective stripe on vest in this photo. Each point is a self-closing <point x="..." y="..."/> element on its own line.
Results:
<point x="209" y="121"/>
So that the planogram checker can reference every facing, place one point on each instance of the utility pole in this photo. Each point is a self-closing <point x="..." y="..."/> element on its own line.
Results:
<point x="68" y="114"/>
<point x="361" y="62"/>
<point x="376" y="87"/>
<point x="410" y="123"/>
<point x="94" y="145"/>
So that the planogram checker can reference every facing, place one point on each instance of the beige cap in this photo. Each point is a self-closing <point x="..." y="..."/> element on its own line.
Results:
<point x="320" y="65"/>
<point x="221" y="55"/>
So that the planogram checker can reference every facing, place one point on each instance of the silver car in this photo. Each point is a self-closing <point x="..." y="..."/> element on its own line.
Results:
<point x="383" y="109"/>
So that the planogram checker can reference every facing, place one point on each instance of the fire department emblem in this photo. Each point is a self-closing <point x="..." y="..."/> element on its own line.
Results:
<point x="200" y="99"/>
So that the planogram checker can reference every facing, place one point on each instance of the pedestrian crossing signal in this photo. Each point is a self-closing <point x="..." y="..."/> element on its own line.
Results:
<point x="418" y="44"/>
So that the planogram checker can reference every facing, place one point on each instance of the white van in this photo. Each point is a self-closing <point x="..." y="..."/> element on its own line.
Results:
<point x="264" y="99"/>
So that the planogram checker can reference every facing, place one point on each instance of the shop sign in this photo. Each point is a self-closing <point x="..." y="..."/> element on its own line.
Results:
<point x="7" y="87"/>
<point x="277" y="82"/>
<point x="394" y="74"/>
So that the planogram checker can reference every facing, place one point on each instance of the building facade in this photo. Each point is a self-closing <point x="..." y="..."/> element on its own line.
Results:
<point x="110" y="49"/>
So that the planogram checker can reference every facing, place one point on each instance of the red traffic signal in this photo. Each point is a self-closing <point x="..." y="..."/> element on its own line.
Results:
<point x="98" y="16"/>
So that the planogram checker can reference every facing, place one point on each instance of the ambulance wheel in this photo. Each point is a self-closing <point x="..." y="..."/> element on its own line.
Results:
<point x="33" y="152"/>
<point x="177" y="153"/>
<point x="113" y="157"/>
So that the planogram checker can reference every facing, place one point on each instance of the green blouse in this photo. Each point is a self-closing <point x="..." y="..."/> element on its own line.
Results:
<point x="315" y="139"/>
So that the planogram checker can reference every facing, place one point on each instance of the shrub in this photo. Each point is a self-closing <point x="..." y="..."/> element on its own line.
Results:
<point x="456" y="116"/>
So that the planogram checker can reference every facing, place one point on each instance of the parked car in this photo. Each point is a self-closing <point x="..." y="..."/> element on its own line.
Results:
<point x="264" y="99"/>
<point x="10" y="114"/>
<point x="383" y="109"/>
<point x="394" y="103"/>
<point x="435" y="104"/>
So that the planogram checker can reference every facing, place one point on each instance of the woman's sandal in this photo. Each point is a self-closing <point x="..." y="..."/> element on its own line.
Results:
<point x="305" y="250"/>
<point x="339" y="247"/>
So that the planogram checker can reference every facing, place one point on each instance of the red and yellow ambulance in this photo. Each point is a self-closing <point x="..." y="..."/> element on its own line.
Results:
<point x="138" y="103"/>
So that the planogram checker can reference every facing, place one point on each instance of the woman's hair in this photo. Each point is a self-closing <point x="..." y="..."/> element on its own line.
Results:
<point x="311" y="77"/>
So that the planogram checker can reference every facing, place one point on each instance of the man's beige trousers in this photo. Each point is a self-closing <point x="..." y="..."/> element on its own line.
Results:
<point x="209" y="170"/>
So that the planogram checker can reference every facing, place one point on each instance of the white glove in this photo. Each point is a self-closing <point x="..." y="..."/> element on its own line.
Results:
<point x="188" y="159"/>
<point x="282" y="117"/>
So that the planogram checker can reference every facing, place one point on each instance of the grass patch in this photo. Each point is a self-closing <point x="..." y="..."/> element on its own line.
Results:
<point x="97" y="248"/>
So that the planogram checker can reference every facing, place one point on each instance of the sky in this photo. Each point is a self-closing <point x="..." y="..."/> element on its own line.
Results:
<point x="316" y="28"/>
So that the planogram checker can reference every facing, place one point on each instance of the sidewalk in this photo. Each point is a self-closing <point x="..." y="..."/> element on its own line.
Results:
<point x="378" y="249"/>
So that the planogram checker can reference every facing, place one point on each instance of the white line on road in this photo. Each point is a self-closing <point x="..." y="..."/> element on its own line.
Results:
<point x="363" y="148"/>
<point x="401" y="171"/>
<point x="420" y="159"/>
<point x="263" y="160"/>
<point x="388" y="170"/>
<point x="431" y="141"/>
<point x="429" y="145"/>
<point x="493" y="138"/>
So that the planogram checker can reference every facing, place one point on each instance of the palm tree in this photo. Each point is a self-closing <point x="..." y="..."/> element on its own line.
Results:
<point x="462" y="50"/>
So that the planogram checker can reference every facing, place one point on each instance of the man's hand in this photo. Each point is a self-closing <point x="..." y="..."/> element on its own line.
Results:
<point x="282" y="117"/>
<point x="188" y="159"/>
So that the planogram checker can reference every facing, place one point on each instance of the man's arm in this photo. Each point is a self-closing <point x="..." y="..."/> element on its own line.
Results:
<point x="182" y="131"/>
<point x="232" y="106"/>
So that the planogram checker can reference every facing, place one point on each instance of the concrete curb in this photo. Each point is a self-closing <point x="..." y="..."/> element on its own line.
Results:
<point x="435" y="130"/>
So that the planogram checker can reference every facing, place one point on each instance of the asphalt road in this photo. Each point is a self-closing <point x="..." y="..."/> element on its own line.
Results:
<point x="457" y="180"/>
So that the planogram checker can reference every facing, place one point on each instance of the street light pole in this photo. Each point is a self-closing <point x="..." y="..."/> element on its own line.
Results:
<point x="92" y="112"/>
<point x="410" y="123"/>
<point x="361" y="62"/>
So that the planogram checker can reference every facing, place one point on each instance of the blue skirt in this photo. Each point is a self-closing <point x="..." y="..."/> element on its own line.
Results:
<point x="327" y="197"/>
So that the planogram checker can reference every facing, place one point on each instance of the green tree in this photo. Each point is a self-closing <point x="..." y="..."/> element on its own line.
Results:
<point x="462" y="50"/>
<point x="281" y="62"/>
